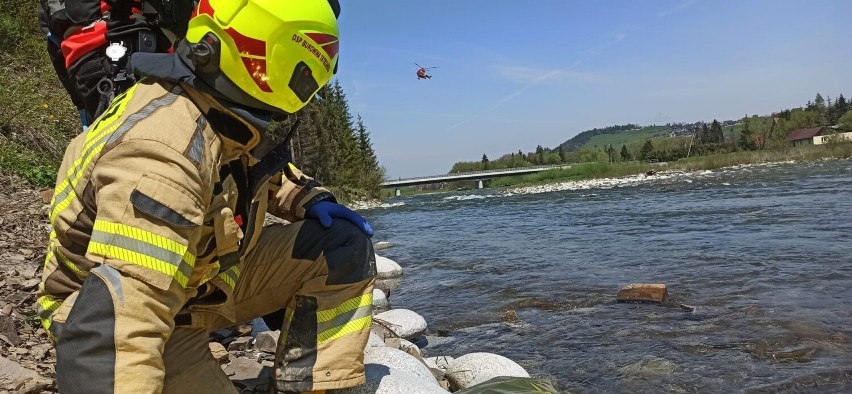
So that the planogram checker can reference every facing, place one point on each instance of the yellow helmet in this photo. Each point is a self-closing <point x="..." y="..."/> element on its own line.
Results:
<point x="268" y="54"/>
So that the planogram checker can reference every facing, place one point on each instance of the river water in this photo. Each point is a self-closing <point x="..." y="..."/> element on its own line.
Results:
<point x="762" y="253"/>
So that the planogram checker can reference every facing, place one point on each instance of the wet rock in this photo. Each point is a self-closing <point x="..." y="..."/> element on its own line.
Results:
<point x="475" y="368"/>
<point x="387" y="285"/>
<point x="387" y="268"/>
<point x="650" y="366"/>
<point x="403" y="322"/>
<point x="382" y="245"/>
<point x="643" y="292"/>
<point x="219" y="352"/>
<point x="509" y="316"/>
<point x="267" y="341"/>
<point x="379" y="299"/>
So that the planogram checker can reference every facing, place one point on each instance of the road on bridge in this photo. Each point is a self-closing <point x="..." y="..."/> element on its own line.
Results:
<point x="473" y="175"/>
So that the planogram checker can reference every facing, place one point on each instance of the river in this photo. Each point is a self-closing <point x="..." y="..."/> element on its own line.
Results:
<point x="762" y="253"/>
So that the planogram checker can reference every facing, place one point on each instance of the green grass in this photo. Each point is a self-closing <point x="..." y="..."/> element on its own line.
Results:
<point x="697" y="163"/>
<point x="626" y="137"/>
<point x="38" y="169"/>
<point x="37" y="118"/>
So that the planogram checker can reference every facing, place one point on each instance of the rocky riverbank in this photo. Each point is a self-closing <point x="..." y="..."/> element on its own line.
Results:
<point x="397" y="357"/>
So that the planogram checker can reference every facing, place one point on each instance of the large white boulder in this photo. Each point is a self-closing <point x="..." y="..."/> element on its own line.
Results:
<point x="375" y="340"/>
<point x="379" y="299"/>
<point x="387" y="268"/>
<point x="382" y="379"/>
<point x="475" y="368"/>
<point x="405" y="323"/>
<point x="400" y="360"/>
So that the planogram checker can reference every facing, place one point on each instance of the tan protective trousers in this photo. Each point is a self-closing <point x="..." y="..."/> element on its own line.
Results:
<point x="323" y="278"/>
<point x="267" y="284"/>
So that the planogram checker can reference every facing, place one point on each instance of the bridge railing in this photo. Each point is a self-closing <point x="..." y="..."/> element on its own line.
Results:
<point x="454" y="174"/>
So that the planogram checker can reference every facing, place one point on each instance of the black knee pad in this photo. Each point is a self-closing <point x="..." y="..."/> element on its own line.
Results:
<point x="347" y="250"/>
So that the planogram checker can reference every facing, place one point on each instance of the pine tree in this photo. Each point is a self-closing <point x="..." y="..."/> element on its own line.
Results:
<point x="625" y="155"/>
<point x="484" y="161"/>
<point x="371" y="173"/>
<point x="716" y="135"/>
<point x="647" y="150"/>
<point x="561" y="154"/>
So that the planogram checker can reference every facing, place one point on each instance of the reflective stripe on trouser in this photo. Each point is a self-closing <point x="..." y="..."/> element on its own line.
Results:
<point x="324" y="279"/>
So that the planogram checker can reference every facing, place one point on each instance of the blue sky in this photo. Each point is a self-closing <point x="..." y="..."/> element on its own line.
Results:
<point x="512" y="75"/>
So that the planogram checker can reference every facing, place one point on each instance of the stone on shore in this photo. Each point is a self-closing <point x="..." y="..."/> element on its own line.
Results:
<point x="267" y="341"/>
<point x="219" y="352"/>
<point x="379" y="299"/>
<point x="15" y="378"/>
<point x="475" y="368"/>
<point x="387" y="285"/>
<point x="387" y="268"/>
<point x="392" y="371"/>
<point x="643" y="292"/>
<point x="381" y="245"/>
<point x="404" y="323"/>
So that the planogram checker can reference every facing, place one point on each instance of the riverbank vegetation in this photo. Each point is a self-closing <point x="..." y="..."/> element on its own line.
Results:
<point x="631" y="149"/>
<point x="37" y="119"/>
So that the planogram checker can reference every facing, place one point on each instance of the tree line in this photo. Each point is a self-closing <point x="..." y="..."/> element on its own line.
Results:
<point x="331" y="146"/>
<point x="748" y="133"/>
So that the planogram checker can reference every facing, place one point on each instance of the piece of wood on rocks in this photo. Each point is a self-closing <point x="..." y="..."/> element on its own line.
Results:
<point x="219" y="352"/>
<point x="643" y="292"/>
<point x="267" y="341"/>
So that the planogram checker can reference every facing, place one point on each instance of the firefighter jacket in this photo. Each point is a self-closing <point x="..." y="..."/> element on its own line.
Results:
<point x="164" y="188"/>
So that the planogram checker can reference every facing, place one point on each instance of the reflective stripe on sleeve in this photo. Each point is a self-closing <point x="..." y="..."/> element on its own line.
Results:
<point x="143" y="248"/>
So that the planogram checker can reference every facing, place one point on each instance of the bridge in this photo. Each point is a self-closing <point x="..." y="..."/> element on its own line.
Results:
<point x="467" y="176"/>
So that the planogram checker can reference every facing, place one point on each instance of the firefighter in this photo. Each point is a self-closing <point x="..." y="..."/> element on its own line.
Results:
<point x="158" y="233"/>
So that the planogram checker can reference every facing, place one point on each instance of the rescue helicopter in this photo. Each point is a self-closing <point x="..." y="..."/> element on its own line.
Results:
<point x="421" y="72"/>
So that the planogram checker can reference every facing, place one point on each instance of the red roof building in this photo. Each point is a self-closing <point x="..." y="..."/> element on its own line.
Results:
<point x="805" y="136"/>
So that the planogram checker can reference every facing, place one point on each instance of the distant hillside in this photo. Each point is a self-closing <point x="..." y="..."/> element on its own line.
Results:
<point x="615" y="136"/>
<point x="579" y="140"/>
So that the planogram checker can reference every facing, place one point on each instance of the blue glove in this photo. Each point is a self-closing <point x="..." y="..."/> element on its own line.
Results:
<point x="325" y="211"/>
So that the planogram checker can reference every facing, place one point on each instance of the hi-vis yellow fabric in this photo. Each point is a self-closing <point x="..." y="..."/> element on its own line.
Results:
<point x="146" y="228"/>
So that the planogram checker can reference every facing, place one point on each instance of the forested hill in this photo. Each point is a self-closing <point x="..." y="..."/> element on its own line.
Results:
<point x="581" y="139"/>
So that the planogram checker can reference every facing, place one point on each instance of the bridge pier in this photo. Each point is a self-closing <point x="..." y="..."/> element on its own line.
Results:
<point x="479" y="184"/>
<point x="397" y="193"/>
